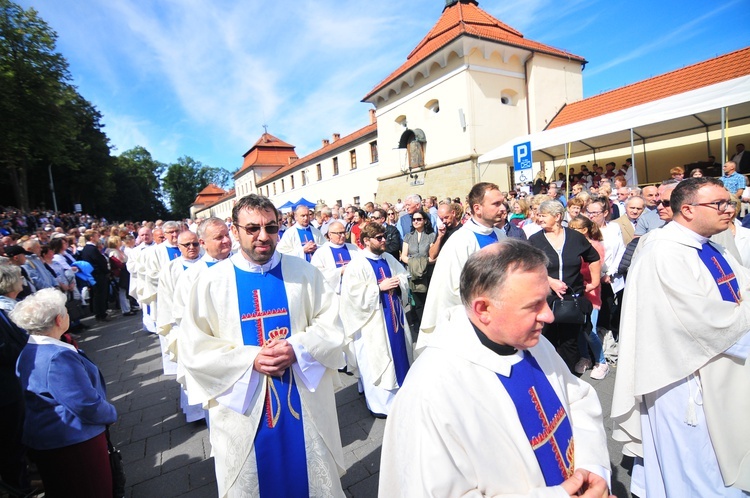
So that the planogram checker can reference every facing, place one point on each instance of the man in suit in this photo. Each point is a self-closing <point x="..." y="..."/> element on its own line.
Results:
<point x="100" y="290"/>
<point x="634" y="207"/>
<point x="742" y="159"/>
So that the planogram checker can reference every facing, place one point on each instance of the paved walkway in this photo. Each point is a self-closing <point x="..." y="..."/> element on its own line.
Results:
<point x="165" y="456"/>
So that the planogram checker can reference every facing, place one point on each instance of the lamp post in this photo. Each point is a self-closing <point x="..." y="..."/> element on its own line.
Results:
<point x="52" y="187"/>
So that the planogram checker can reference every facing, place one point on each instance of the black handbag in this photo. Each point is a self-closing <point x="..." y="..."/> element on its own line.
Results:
<point x="118" y="471"/>
<point x="571" y="309"/>
<point x="74" y="307"/>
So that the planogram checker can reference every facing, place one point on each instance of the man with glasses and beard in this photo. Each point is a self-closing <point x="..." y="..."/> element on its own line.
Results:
<point x="374" y="291"/>
<point x="261" y="342"/>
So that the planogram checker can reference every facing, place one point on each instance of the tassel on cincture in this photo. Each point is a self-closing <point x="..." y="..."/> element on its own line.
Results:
<point x="690" y="418"/>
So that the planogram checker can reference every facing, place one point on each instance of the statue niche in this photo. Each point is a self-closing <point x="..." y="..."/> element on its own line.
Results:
<point x="415" y="143"/>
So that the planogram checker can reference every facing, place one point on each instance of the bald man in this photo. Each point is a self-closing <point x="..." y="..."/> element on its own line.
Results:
<point x="302" y="239"/>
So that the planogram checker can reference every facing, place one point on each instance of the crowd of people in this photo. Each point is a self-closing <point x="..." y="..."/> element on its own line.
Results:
<point x="469" y="326"/>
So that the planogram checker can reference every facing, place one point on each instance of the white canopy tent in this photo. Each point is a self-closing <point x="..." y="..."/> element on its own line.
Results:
<point x="679" y="115"/>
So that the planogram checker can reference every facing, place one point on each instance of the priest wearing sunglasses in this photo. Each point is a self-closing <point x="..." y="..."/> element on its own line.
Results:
<point x="261" y="342"/>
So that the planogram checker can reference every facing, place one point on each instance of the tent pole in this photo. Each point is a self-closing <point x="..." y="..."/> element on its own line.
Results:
<point x="723" y="135"/>
<point x="632" y="154"/>
<point x="567" y="171"/>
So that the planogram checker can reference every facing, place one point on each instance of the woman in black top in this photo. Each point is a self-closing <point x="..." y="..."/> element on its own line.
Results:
<point x="566" y="250"/>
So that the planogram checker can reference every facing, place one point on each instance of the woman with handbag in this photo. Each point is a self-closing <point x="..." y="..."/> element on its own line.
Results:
<point x="67" y="410"/>
<point x="566" y="250"/>
<point x="415" y="254"/>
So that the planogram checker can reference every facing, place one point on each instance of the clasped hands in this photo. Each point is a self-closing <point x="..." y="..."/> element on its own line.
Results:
<point x="274" y="357"/>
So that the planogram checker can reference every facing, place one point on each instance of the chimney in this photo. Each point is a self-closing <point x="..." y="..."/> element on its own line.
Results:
<point x="292" y="159"/>
<point x="373" y="119"/>
<point x="336" y="136"/>
<point x="325" y="142"/>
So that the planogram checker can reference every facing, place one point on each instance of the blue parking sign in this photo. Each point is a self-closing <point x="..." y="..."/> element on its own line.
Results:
<point x="522" y="156"/>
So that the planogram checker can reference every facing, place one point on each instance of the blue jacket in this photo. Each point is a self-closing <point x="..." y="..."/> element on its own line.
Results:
<point x="65" y="397"/>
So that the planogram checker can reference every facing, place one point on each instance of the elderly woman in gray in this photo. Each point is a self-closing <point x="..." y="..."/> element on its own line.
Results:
<point x="67" y="411"/>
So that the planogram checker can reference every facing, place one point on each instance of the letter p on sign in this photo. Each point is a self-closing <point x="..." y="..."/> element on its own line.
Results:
<point x="522" y="156"/>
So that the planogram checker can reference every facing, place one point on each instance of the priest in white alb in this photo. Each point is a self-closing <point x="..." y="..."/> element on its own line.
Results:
<point x="136" y="265"/>
<point x="333" y="257"/>
<point x="216" y="243"/>
<point x="262" y="341"/>
<point x="302" y="239"/>
<point x="489" y="408"/>
<point x="374" y="292"/>
<point x="486" y="203"/>
<point x="189" y="247"/>
<point x="682" y="393"/>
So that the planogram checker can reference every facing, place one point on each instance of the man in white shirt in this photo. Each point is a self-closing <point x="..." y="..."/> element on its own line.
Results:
<point x="261" y="342"/>
<point x="680" y="399"/>
<point x="486" y="203"/>
<point x="302" y="239"/>
<point x="489" y="408"/>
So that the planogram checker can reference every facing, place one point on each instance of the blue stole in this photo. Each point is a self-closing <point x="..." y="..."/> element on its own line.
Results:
<point x="543" y="419"/>
<point x="341" y="256"/>
<point x="305" y="235"/>
<point x="485" y="240"/>
<point x="280" y="439"/>
<point x="210" y="263"/>
<point x="173" y="252"/>
<point x="721" y="272"/>
<point x="394" y="320"/>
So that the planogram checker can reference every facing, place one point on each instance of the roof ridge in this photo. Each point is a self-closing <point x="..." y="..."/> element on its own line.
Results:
<point x="687" y="78"/>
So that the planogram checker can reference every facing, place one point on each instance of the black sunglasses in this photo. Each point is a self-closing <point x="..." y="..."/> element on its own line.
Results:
<point x="191" y="244"/>
<point x="253" y="229"/>
<point x="663" y="202"/>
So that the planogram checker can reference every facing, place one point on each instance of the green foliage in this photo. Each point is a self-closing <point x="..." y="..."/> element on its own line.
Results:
<point x="187" y="177"/>
<point x="34" y="91"/>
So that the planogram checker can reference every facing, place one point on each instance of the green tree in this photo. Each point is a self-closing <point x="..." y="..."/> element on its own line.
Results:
<point x="187" y="177"/>
<point x="136" y="177"/>
<point x="34" y="91"/>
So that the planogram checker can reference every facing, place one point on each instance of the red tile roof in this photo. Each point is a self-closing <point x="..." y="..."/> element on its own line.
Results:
<point x="342" y="142"/>
<point x="722" y="68"/>
<point x="209" y="194"/>
<point x="221" y="199"/>
<point x="267" y="151"/>
<point x="465" y="18"/>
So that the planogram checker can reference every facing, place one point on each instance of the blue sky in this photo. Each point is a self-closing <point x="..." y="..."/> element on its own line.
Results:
<point x="201" y="77"/>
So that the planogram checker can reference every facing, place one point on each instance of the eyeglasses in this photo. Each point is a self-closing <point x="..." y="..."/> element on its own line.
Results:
<point x="666" y="203"/>
<point x="191" y="244"/>
<point x="593" y="213"/>
<point x="417" y="219"/>
<point x="379" y="238"/>
<point x="336" y="233"/>
<point x="253" y="229"/>
<point x="391" y="213"/>
<point x="170" y="232"/>
<point x="718" y="205"/>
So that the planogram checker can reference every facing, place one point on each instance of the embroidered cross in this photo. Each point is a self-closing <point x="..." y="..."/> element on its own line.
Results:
<point x="548" y="435"/>
<point x="260" y="314"/>
<point x="389" y="293"/>
<point x="341" y="262"/>
<point x="725" y="279"/>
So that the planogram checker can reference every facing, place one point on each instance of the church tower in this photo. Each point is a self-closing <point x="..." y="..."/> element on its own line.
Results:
<point x="472" y="82"/>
